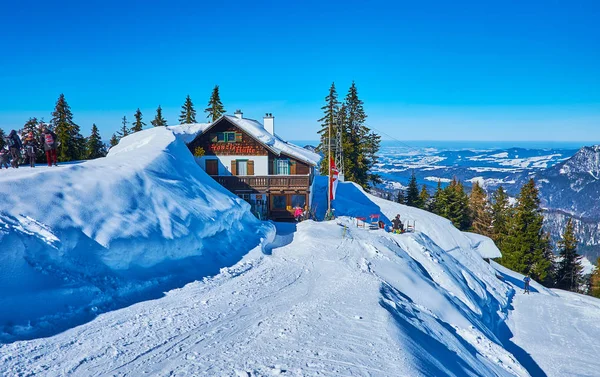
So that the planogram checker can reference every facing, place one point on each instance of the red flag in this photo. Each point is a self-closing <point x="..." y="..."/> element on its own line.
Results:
<point x="334" y="179"/>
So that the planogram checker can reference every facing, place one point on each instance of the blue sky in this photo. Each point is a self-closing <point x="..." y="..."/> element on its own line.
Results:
<point x="437" y="70"/>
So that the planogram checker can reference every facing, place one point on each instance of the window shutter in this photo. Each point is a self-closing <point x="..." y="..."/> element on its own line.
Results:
<point x="233" y="167"/>
<point x="250" y="167"/>
<point x="292" y="167"/>
<point x="213" y="138"/>
<point x="238" y="137"/>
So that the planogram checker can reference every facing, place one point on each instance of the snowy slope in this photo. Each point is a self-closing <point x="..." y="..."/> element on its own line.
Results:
<point x="331" y="302"/>
<point x="326" y="298"/>
<point x="82" y="238"/>
<point x="558" y="329"/>
<point x="331" y="299"/>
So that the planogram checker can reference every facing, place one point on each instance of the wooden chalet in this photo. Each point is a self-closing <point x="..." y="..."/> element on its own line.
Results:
<point x="248" y="159"/>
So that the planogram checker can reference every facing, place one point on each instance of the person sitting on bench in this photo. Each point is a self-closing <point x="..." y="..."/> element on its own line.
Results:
<point x="397" y="226"/>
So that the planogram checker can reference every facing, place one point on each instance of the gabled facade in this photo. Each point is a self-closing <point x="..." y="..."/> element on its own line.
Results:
<point x="248" y="159"/>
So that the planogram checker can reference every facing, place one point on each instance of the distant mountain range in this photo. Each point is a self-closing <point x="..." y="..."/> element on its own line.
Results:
<point x="571" y="189"/>
<point x="568" y="179"/>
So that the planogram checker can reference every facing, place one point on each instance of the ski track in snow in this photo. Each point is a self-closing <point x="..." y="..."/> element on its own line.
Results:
<point x="260" y="321"/>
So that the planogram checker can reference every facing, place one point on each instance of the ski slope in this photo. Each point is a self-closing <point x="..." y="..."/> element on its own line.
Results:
<point x="313" y="299"/>
<point x="558" y="329"/>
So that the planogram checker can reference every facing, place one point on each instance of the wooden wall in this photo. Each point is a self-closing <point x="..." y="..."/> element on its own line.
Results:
<point x="247" y="147"/>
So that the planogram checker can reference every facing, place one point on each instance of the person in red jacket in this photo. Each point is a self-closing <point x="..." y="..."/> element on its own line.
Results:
<point x="48" y="140"/>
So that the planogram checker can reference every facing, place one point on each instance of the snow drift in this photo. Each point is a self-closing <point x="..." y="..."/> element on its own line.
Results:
<point x="84" y="237"/>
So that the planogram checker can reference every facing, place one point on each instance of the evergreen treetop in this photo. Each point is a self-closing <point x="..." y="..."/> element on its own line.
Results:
<point x="158" y="120"/>
<point x="188" y="114"/>
<point x="523" y="247"/>
<point x="501" y="212"/>
<point x="424" y="197"/>
<point x="480" y="210"/>
<point x="2" y="136"/>
<point x="137" y="124"/>
<point x="412" y="193"/>
<point x="124" y="131"/>
<point x="114" y="140"/>
<point x="569" y="273"/>
<point x="400" y="197"/>
<point x="71" y="143"/>
<point x="215" y="107"/>
<point x="331" y="111"/>
<point x="436" y="202"/>
<point x="95" y="146"/>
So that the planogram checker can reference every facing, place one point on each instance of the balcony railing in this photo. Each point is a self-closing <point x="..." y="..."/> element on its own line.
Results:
<point x="264" y="183"/>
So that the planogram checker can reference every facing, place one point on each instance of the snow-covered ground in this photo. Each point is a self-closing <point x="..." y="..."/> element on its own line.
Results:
<point x="83" y="238"/>
<point x="314" y="299"/>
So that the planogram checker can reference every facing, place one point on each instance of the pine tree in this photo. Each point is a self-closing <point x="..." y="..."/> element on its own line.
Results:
<point x="114" y="140"/>
<point x="595" y="281"/>
<point x="400" y="197"/>
<point x="159" y="121"/>
<point x="215" y="107"/>
<point x="454" y="205"/>
<point x="188" y="114"/>
<point x="95" y="146"/>
<point x="412" y="193"/>
<point x="363" y="144"/>
<point x="480" y="211"/>
<point x="124" y="131"/>
<point x="71" y="143"/>
<point x="436" y="200"/>
<point x="501" y="212"/>
<point x="330" y="118"/>
<point x="137" y="124"/>
<point x="569" y="273"/>
<point x="523" y="247"/>
<point x="548" y="254"/>
<point x="2" y="136"/>
<point x="424" y="197"/>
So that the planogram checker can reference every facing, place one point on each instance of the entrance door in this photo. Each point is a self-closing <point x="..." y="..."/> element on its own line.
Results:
<point x="212" y="167"/>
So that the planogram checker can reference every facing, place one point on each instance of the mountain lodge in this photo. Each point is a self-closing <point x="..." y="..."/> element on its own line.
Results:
<point x="251" y="161"/>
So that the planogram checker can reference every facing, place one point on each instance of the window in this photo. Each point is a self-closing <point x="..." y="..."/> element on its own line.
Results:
<point x="226" y="137"/>
<point x="212" y="167"/>
<point x="242" y="167"/>
<point x="298" y="201"/>
<point x="278" y="202"/>
<point x="282" y="166"/>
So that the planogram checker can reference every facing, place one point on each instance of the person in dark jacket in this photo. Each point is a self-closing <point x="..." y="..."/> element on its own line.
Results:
<point x="14" y="146"/>
<point x="49" y="141"/>
<point x="527" y="281"/>
<point x="397" y="226"/>
<point x="30" y="148"/>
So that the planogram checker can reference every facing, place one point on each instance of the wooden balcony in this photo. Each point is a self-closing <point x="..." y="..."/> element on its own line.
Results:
<point x="270" y="183"/>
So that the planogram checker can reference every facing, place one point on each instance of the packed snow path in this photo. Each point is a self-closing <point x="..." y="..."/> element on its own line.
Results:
<point x="316" y="306"/>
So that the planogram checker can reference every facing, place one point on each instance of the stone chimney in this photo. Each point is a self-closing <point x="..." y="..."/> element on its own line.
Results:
<point x="238" y="114"/>
<point x="269" y="123"/>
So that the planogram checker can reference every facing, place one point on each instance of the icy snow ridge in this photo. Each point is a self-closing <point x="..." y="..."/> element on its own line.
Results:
<point x="141" y="218"/>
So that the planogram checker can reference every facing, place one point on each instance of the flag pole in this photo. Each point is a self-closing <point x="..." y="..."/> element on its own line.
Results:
<point x="329" y="171"/>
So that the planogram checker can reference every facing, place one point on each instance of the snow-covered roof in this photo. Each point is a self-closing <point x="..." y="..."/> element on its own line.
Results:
<point x="257" y="131"/>
<point x="188" y="132"/>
